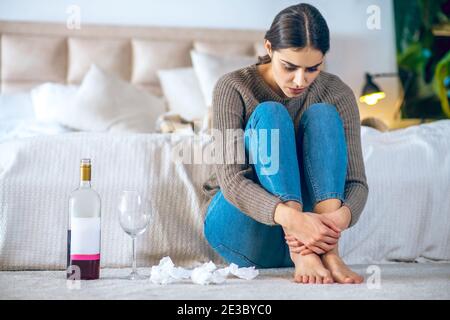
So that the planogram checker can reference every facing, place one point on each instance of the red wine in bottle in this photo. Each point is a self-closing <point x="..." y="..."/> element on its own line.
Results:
<point x="84" y="236"/>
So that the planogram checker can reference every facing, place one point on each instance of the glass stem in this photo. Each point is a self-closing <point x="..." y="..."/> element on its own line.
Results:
<point x="134" y="255"/>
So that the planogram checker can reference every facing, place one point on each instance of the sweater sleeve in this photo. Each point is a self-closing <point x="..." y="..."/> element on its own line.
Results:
<point x="234" y="176"/>
<point x="356" y="188"/>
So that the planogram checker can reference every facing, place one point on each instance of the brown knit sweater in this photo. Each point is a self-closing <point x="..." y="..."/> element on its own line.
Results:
<point x="236" y="96"/>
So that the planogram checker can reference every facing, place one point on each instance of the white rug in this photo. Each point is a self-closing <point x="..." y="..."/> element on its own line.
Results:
<point x="397" y="281"/>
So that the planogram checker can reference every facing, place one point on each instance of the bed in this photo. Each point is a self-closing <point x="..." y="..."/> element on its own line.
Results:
<point x="403" y="231"/>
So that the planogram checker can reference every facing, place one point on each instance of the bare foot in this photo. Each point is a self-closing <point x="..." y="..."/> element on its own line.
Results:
<point x="339" y="270"/>
<point x="309" y="269"/>
<point x="331" y="260"/>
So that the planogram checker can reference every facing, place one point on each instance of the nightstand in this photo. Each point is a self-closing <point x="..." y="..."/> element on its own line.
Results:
<point x="404" y="123"/>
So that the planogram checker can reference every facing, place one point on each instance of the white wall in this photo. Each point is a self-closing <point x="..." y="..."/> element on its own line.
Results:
<point x="354" y="48"/>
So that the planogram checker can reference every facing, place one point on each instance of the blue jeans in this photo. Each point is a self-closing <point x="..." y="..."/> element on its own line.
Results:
<point x="315" y="172"/>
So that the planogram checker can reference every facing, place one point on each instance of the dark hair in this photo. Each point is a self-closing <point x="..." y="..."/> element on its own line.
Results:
<point x="298" y="26"/>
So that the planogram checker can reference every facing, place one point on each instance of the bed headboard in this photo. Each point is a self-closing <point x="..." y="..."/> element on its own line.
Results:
<point x="34" y="52"/>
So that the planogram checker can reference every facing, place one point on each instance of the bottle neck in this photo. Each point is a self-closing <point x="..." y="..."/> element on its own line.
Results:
<point x="85" y="176"/>
<point x="85" y="184"/>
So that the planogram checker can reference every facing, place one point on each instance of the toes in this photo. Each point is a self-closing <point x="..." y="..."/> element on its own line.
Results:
<point x="328" y="280"/>
<point x="340" y="272"/>
<point x="305" y="279"/>
<point x="357" y="278"/>
<point x="348" y="280"/>
<point x="352" y="277"/>
<point x="339" y="277"/>
<point x="318" y="279"/>
<point x="325" y="277"/>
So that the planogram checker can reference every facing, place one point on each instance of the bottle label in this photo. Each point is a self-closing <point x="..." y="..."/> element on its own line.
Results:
<point x="85" y="239"/>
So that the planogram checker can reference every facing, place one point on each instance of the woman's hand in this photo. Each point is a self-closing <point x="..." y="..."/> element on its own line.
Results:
<point x="313" y="232"/>
<point x="340" y="217"/>
<point x="296" y="246"/>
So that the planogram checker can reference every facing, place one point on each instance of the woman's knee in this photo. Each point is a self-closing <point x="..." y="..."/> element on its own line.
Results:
<point x="324" y="114"/>
<point x="272" y="111"/>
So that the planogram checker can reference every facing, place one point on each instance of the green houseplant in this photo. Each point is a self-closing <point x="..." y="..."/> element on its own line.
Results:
<point x="441" y="83"/>
<point x="423" y="55"/>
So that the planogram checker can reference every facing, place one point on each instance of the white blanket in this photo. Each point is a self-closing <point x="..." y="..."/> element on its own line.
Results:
<point x="406" y="217"/>
<point x="24" y="128"/>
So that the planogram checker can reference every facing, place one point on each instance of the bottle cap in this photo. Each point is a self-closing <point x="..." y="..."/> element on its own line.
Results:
<point x="85" y="162"/>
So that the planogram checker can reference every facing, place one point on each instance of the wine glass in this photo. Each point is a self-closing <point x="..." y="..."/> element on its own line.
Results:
<point x="134" y="215"/>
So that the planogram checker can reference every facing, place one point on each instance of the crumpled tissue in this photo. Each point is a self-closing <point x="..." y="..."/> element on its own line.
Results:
<point x="166" y="273"/>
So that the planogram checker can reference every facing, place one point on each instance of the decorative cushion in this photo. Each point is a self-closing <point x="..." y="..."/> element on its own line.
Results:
<point x="51" y="99"/>
<point x="30" y="58"/>
<point x="225" y="48"/>
<point x="113" y="56"/>
<point x="105" y="102"/>
<point x="209" y="68"/>
<point x="183" y="93"/>
<point x="149" y="56"/>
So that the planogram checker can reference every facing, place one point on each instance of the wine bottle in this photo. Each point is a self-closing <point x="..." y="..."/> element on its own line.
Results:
<point x="83" y="236"/>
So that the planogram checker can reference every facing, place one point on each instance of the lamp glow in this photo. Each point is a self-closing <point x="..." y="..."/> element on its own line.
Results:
<point x="372" y="98"/>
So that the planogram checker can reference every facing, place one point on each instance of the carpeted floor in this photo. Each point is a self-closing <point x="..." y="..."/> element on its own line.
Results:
<point x="397" y="281"/>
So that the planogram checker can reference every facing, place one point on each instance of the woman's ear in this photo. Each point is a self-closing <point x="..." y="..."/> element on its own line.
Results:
<point x="268" y="47"/>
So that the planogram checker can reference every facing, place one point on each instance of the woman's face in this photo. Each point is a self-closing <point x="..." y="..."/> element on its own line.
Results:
<point x="295" y="69"/>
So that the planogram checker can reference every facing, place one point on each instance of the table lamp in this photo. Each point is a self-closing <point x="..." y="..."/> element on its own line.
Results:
<point x="371" y="92"/>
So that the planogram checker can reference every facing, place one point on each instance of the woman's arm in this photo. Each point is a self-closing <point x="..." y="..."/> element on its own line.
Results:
<point x="356" y="188"/>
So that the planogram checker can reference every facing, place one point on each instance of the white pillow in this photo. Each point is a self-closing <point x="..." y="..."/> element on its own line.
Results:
<point x="16" y="106"/>
<point x="182" y="91"/>
<point x="106" y="102"/>
<point x="51" y="99"/>
<point x="209" y="68"/>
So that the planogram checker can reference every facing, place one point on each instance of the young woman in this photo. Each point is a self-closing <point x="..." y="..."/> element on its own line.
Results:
<point x="291" y="210"/>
